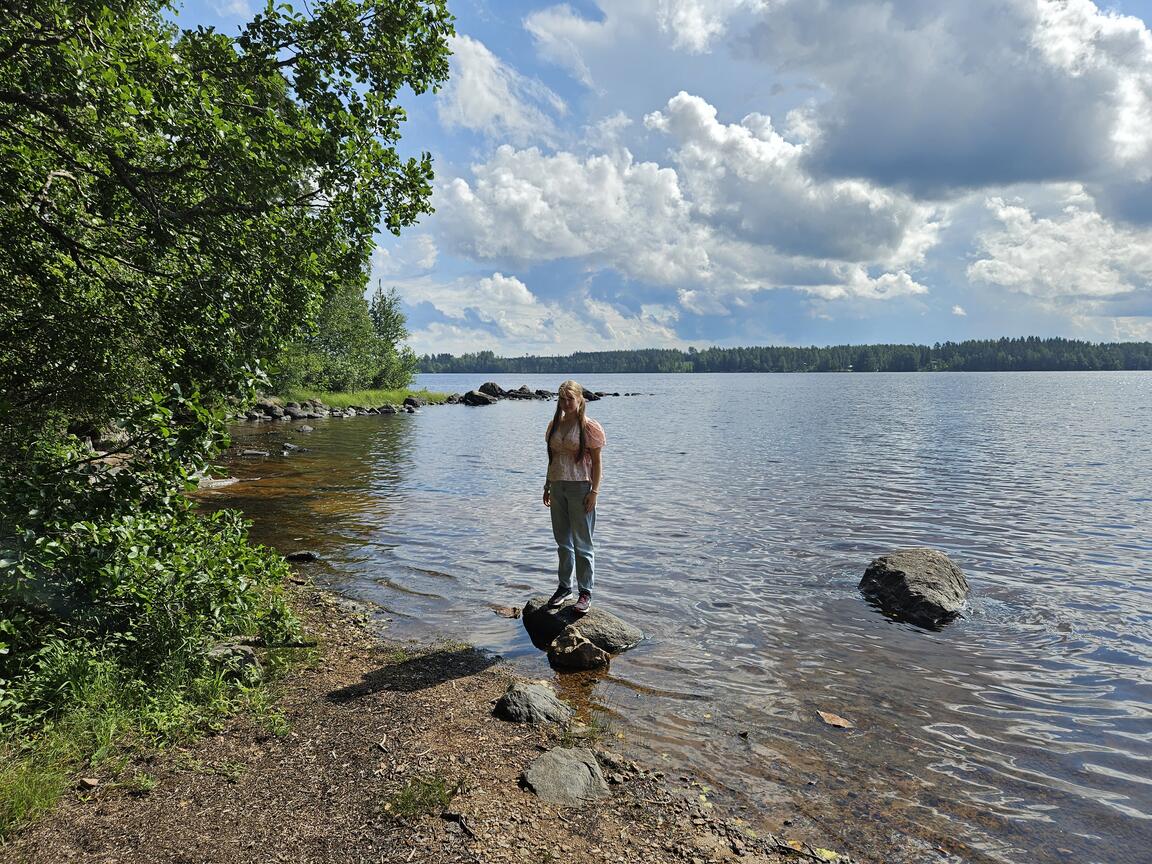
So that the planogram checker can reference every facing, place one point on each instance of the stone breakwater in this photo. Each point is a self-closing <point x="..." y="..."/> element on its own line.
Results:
<point x="271" y="410"/>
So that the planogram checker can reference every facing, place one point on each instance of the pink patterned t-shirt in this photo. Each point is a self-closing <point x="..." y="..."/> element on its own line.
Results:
<point x="564" y="448"/>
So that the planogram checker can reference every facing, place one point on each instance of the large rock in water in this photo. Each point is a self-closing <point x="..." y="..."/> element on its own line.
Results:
<point x="567" y="777"/>
<point x="475" y="397"/>
<point x="601" y="628"/>
<point x="918" y="585"/>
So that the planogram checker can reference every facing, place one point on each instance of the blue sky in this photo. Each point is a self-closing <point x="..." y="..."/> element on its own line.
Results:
<point x="666" y="173"/>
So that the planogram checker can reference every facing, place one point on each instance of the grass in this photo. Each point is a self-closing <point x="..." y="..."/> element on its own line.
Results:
<point x="30" y="782"/>
<point x="582" y="734"/>
<point x="364" y="398"/>
<point x="113" y="722"/>
<point x="423" y="796"/>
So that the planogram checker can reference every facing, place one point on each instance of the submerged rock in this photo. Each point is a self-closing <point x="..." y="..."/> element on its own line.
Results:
<point x="918" y="585"/>
<point x="567" y="777"/>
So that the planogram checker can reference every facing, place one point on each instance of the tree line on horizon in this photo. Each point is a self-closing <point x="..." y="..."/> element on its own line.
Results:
<point x="1022" y="354"/>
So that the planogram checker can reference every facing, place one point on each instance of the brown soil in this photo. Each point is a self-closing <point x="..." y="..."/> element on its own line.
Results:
<point x="369" y="724"/>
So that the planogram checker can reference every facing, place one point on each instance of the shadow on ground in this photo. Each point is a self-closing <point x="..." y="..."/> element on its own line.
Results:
<point x="418" y="673"/>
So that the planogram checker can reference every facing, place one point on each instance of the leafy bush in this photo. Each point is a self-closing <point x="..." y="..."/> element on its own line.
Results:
<point x="104" y="565"/>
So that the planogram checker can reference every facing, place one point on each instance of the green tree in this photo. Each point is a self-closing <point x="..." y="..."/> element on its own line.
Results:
<point x="176" y="205"/>
<point x="175" y="201"/>
<point x="397" y="362"/>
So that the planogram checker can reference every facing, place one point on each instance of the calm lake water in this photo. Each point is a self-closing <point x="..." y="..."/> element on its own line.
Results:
<point x="737" y="516"/>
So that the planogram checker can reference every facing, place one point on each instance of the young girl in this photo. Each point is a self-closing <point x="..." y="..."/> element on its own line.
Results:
<point x="571" y="490"/>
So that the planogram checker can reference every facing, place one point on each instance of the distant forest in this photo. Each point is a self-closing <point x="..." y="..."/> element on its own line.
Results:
<point x="1031" y="354"/>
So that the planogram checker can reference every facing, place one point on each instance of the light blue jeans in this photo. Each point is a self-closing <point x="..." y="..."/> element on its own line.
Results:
<point x="573" y="528"/>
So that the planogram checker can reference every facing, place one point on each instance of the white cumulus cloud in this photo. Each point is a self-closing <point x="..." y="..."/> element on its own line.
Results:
<point x="748" y="179"/>
<point x="412" y="253"/>
<point x="738" y="213"/>
<point x="500" y="309"/>
<point x="1077" y="262"/>
<point x="486" y="95"/>
<point x="972" y="94"/>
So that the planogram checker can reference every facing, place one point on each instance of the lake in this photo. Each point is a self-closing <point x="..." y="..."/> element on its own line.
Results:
<point x="737" y="515"/>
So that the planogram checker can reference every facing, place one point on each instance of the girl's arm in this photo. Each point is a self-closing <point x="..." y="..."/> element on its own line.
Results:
<point x="590" y="498"/>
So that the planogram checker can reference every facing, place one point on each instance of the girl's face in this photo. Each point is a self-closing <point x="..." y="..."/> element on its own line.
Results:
<point x="569" y="401"/>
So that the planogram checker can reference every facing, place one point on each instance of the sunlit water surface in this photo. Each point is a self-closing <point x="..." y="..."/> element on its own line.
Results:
<point x="737" y="516"/>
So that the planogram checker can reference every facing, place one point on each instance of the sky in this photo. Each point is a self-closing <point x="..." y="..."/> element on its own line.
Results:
<point x="619" y="174"/>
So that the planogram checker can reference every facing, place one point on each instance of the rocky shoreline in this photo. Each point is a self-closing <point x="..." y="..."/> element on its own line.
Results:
<point x="271" y="409"/>
<point x="387" y="752"/>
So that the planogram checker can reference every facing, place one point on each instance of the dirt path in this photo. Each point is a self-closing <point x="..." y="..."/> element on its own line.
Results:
<point x="388" y="755"/>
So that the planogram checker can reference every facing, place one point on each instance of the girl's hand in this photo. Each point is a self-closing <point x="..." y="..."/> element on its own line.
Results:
<point x="589" y="502"/>
<point x="547" y="498"/>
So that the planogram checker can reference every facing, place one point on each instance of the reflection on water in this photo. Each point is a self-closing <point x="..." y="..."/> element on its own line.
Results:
<point x="737" y="517"/>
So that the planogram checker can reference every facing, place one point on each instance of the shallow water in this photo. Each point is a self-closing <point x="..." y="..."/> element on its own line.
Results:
<point x="737" y="516"/>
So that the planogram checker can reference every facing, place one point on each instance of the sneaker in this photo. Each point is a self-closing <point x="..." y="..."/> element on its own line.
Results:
<point x="559" y="597"/>
<point x="583" y="604"/>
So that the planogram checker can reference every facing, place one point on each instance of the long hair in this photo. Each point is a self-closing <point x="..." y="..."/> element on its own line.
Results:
<point x="571" y="387"/>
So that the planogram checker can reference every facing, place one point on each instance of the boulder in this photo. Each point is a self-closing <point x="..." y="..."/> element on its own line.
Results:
<point x="566" y="777"/>
<point x="571" y="650"/>
<point x="598" y="626"/>
<point x="236" y="660"/>
<point x="491" y="388"/>
<point x="414" y="402"/>
<point x="531" y="703"/>
<point x="475" y="397"/>
<point x="918" y="585"/>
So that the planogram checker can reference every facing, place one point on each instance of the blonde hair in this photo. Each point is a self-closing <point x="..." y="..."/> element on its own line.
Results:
<point x="576" y="389"/>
